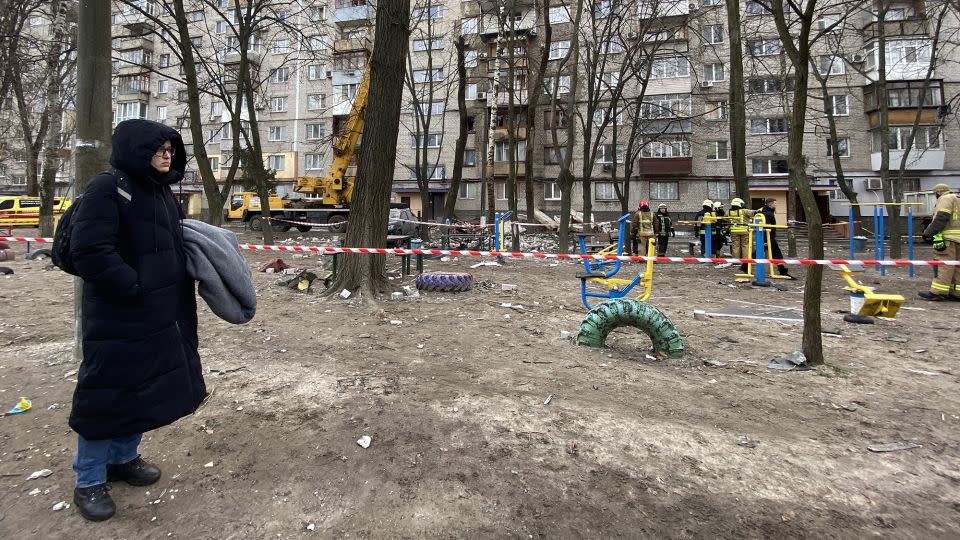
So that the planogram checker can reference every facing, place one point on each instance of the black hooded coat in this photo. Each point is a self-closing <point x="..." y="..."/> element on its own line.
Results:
<point x="140" y="368"/>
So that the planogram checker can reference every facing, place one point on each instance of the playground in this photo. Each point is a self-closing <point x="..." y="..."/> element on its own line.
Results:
<point x="486" y="419"/>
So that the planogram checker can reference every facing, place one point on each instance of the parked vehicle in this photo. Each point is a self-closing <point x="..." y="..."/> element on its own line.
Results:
<point x="18" y="211"/>
<point x="400" y="223"/>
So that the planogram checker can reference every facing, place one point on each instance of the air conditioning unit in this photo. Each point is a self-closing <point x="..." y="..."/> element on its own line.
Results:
<point x="706" y="84"/>
<point x="260" y="106"/>
<point x="693" y="6"/>
<point x="607" y="167"/>
<point x="873" y="184"/>
<point x="156" y="95"/>
<point x="481" y="55"/>
<point x="481" y="96"/>
<point x="857" y="59"/>
<point x="631" y="35"/>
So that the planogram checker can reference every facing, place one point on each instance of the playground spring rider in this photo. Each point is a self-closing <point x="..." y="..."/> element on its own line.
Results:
<point x="602" y="272"/>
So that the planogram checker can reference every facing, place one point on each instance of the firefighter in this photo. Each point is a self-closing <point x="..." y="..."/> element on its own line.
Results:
<point x="641" y="227"/>
<point x="739" y="231"/>
<point x="769" y="212"/>
<point x="944" y="232"/>
<point x="663" y="228"/>
<point x="720" y="229"/>
<point x="705" y="214"/>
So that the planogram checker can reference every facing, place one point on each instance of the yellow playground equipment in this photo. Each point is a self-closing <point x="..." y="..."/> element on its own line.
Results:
<point x="761" y="251"/>
<point x="863" y="301"/>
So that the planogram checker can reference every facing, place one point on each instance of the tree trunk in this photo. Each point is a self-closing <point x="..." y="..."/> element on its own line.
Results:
<point x="53" y="140"/>
<point x="735" y="104"/>
<point x="450" y="201"/>
<point x="534" y="93"/>
<point x="93" y="115"/>
<point x="371" y="199"/>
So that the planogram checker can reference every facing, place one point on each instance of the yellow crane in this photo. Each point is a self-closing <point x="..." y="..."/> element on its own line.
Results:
<point x="336" y="188"/>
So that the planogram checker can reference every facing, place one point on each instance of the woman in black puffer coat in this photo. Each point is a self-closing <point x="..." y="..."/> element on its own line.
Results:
<point x="140" y="369"/>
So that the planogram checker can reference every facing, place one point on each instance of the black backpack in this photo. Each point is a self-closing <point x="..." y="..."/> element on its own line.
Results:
<point x="60" y="253"/>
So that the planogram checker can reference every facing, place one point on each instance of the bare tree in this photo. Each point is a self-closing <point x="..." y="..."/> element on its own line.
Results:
<point x="371" y="200"/>
<point x="463" y="117"/>
<point x="736" y="102"/>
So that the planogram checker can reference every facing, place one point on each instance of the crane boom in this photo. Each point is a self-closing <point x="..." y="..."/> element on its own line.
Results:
<point x="336" y="188"/>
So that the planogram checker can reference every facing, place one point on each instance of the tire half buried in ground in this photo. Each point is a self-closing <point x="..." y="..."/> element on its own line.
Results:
<point x="611" y="314"/>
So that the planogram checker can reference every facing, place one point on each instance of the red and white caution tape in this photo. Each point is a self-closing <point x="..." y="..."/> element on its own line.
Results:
<point x="575" y="256"/>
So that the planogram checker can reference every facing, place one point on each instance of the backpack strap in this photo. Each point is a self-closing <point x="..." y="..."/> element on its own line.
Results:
<point x="123" y="184"/>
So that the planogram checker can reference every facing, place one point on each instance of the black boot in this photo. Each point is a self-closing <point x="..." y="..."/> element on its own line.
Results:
<point x="136" y="472"/>
<point x="94" y="502"/>
<point x="782" y="270"/>
<point x="743" y="269"/>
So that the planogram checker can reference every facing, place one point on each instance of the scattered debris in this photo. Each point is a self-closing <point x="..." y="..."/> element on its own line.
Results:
<point x="208" y="465"/>
<point x="345" y="294"/>
<point x="548" y="400"/>
<point x="34" y="492"/>
<point x="311" y="527"/>
<point x="42" y="473"/>
<point x="273" y="265"/>
<point x="744" y="441"/>
<point x="62" y="505"/>
<point x="23" y="405"/>
<point x="396" y="322"/>
<point x="794" y="361"/>
<point x="364" y="441"/>
<point x="508" y="287"/>
<point x="714" y="363"/>
<point x="892" y="447"/>
<point x="396" y="296"/>
<point x="565" y="334"/>
<point x="485" y="263"/>
<point x="924" y="372"/>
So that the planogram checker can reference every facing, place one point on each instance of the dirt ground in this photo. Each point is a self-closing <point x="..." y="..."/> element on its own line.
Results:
<point x="464" y="441"/>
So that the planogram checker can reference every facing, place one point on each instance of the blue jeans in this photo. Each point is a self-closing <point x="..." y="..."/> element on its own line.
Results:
<point x="93" y="457"/>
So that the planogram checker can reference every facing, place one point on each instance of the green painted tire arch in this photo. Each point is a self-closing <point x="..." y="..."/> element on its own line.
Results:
<point x="611" y="314"/>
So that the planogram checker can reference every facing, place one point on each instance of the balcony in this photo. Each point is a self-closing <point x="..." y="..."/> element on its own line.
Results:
<point x="133" y="43"/>
<point x="907" y="27"/>
<point x="490" y="25"/>
<point x="666" y="166"/>
<point x="918" y="160"/>
<point x="132" y="69"/>
<point x="233" y="57"/>
<point x="502" y="134"/>
<point x="651" y="9"/>
<point x="502" y="168"/>
<point x="354" y="15"/>
<point x="343" y="77"/>
<point x="352" y="45"/>
<point x="519" y="97"/>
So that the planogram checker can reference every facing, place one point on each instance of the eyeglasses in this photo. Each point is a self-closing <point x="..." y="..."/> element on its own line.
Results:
<point x="166" y="151"/>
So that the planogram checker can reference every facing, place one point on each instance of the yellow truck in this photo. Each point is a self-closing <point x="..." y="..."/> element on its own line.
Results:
<point x="18" y="211"/>
<point x="245" y="207"/>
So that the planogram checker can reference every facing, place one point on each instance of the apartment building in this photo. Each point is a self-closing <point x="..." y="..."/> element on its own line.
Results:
<point x="677" y="110"/>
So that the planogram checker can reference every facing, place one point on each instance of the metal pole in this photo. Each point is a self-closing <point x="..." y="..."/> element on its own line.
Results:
<point x="850" y="217"/>
<point x="883" y="240"/>
<point x="876" y="235"/>
<point x="760" y="269"/>
<point x="910" y="238"/>
<point x="708" y="240"/>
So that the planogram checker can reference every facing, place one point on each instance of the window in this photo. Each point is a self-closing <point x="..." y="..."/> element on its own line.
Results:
<point x="717" y="151"/>
<point x="843" y="147"/>
<point x="501" y="151"/>
<point x="670" y="68"/>
<point x="713" y="34"/>
<point x="605" y="154"/>
<point x="666" y="106"/>
<point x="433" y="140"/>
<point x="607" y="117"/>
<point x="427" y="75"/>
<point x="316" y="72"/>
<point x="754" y="8"/>
<point x="660" y="35"/>
<point x="665" y="191"/>
<point x="838" y="105"/>
<point x="197" y="42"/>
<point x="900" y="53"/>
<point x="551" y="191"/>
<point x="163" y="86"/>
<point x="468" y="190"/>
<point x="432" y="108"/>
<point x="830" y="65"/>
<point x="36" y="21"/>
<point x="559" y="14"/>
<point x="278" y="104"/>
<point x="276" y="133"/>
<point x="214" y="135"/>
<point x="214" y="162"/>
<point x="126" y="111"/>
<point x="281" y="46"/>
<point x="318" y="13"/>
<point x="763" y="47"/>
<point x="316" y="102"/>
<point x="275" y="162"/>
<point x="714" y="72"/>
<point x="470" y="25"/>
<point x="429" y="12"/>
<point x="500" y="189"/>
<point x="559" y="84"/>
<point x="769" y="85"/>
<point x="470" y="59"/>
<point x="471" y="92"/>
<point x="220" y="27"/>
<point x="610" y="80"/>
<point x="162" y="112"/>
<point x="183" y="95"/>
<point x="548" y="122"/>
<point x="164" y="61"/>
<point x="712" y="2"/>
<point x="315" y="131"/>
<point x="559" y="49"/>
<point x="313" y="162"/>
<point x="280" y="75"/>
<point x="827" y="21"/>
<point x="769" y="166"/>
<point x="347" y="91"/>
<point x="716" y="110"/>
<point x="552" y="155"/>
<point x="433" y="173"/>
<point x="759" y="126"/>
<point x="718" y="190"/>
<point x="604" y="191"/>
<point x="666" y="147"/>
<point x="316" y="44"/>
<point x="194" y="16"/>
<point x="420" y="45"/>
<point x="470" y="157"/>
<point x="927" y="138"/>
<point x="612" y="47"/>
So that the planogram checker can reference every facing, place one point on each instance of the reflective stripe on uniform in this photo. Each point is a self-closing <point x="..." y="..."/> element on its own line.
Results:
<point x="937" y="286"/>
<point x="738" y="225"/>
